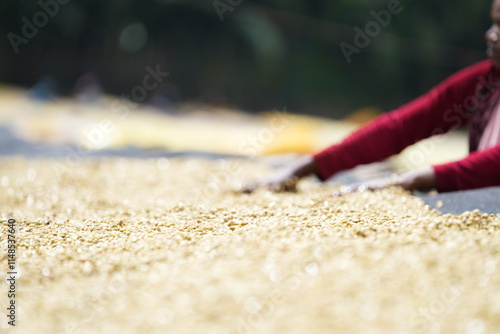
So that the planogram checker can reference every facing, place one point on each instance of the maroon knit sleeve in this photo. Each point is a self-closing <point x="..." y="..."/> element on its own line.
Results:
<point x="478" y="170"/>
<point x="446" y="106"/>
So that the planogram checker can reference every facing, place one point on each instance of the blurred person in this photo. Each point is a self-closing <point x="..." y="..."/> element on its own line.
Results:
<point x="44" y="90"/>
<point x="88" y="88"/>
<point x="470" y="97"/>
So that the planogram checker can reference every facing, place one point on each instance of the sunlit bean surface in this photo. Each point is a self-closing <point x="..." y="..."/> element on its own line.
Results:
<point x="167" y="246"/>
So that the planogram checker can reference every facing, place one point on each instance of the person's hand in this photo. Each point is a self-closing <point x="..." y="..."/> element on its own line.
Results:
<point x="285" y="179"/>
<point x="280" y="181"/>
<point x="420" y="179"/>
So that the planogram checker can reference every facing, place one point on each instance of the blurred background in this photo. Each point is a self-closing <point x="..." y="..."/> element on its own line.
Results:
<point x="231" y="55"/>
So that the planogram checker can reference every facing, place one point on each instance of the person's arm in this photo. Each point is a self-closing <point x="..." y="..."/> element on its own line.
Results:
<point x="433" y="113"/>
<point x="478" y="170"/>
<point x="444" y="107"/>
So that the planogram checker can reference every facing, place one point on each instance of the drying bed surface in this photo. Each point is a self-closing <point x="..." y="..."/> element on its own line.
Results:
<point x="165" y="246"/>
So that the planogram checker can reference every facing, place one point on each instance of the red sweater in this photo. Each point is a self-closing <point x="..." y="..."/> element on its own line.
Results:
<point x="448" y="105"/>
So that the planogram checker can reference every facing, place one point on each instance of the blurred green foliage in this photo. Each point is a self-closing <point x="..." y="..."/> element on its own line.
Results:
<point x="263" y="55"/>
